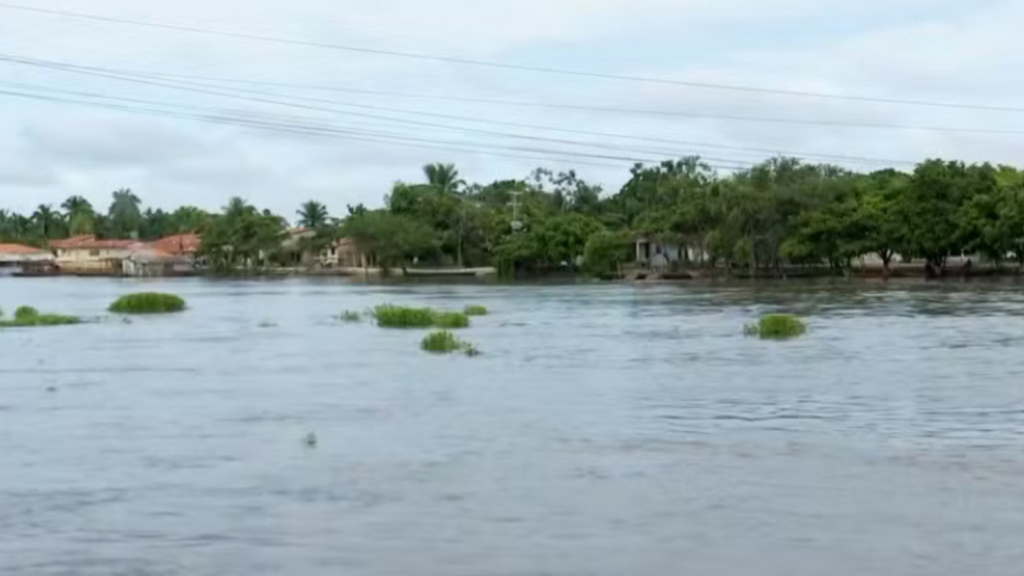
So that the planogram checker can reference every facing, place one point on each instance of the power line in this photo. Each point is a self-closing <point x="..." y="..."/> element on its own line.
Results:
<point x="356" y="135"/>
<point x="500" y="65"/>
<point x="90" y="72"/>
<point x="189" y="80"/>
<point x="96" y="71"/>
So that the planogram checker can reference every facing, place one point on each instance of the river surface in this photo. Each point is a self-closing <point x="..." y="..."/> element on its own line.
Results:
<point x="607" y="430"/>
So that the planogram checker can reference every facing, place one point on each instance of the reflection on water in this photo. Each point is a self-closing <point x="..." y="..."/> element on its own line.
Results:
<point x="606" y="430"/>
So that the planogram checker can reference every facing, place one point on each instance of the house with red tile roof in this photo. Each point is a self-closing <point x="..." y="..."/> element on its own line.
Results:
<point x="89" y="255"/>
<point x="19" y="253"/>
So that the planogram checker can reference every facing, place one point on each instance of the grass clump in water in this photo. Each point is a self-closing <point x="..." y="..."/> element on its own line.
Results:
<point x="389" y="316"/>
<point x="351" y="316"/>
<point x="777" y="327"/>
<point x="451" y="320"/>
<point x="26" y="316"/>
<point x="475" y="310"/>
<point x="148" y="303"/>
<point x="444" y="342"/>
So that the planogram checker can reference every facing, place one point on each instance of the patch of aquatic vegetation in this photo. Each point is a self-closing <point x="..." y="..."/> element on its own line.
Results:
<point x="148" y="303"/>
<point x="351" y="316"/>
<point x="444" y="342"/>
<point x="777" y="327"/>
<point x="388" y="316"/>
<point x="26" y="316"/>
<point x="451" y="320"/>
<point x="475" y="310"/>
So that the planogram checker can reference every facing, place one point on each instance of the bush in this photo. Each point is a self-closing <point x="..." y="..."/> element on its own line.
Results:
<point x="474" y="310"/>
<point x="777" y="327"/>
<point x="451" y="320"/>
<point x="605" y="252"/>
<point x="444" y="342"/>
<point x="351" y="316"/>
<point x="389" y="316"/>
<point x="148" y="304"/>
<point x="26" y="316"/>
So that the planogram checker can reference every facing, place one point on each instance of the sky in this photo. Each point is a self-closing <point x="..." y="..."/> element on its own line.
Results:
<point x="90" y="106"/>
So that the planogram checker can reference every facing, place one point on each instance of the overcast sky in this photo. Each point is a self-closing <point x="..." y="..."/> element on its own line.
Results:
<point x="946" y="51"/>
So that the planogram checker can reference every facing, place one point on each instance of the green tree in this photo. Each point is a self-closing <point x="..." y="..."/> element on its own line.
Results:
<point x="242" y="237"/>
<point x="313" y="215"/>
<point x="391" y="240"/>
<point x="49" y="224"/>
<point x="125" y="214"/>
<point x="443" y="177"/>
<point x="605" y="252"/>
<point x="80" y="215"/>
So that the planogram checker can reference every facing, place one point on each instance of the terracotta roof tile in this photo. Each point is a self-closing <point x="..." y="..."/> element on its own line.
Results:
<point x="180" y="244"/>
<point x="18" y="249"/>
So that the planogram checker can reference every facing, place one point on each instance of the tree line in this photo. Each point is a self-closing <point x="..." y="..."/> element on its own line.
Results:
<point x="780" y="213"/>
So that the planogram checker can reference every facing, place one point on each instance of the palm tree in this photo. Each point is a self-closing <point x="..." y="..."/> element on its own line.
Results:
<point x="80" y="215"/>
<point x="47" y="221"/>
<point x="313" y="215"/>
<point x="237" y="207"/>
<point x="125" y="214"/>
<point x="75" y="205"/>
<point x="443" y="177"/>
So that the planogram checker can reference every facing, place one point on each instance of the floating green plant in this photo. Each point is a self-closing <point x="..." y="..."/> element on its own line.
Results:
<point x="777" y="327"/>
<point x="389" y="316"/>
<point x="444" y="342"/>
<point x="26" y="316"/>
<point x="148" y="303"/>
<point x="451" y="320"/>
<point x="475" y="310"/>
<point x="351" y="316"/>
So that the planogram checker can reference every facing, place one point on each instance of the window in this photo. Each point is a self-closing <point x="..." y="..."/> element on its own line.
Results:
<point x="94" y="252"/>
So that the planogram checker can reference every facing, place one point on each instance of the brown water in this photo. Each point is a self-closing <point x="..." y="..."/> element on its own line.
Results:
<point x="607" y="430"/>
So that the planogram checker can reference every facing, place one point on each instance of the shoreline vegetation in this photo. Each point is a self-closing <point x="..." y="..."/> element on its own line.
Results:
<point x="679" y="220"/>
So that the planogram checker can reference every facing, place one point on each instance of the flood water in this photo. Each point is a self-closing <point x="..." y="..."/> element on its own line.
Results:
<point x="607" y="430"/>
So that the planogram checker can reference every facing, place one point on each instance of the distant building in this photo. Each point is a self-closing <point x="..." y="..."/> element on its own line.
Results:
<point x="19" y="253"/>
<point x="173" y="255"/>
<point x="659" y="255"/>
<point x="343" y="254"/>
<point x="88" y="255"/>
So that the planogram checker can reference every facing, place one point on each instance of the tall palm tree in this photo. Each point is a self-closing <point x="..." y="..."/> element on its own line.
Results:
<point x="443" y="177"/>
<point x="237" y="207"/>
<point x="313" y="214"/>
<point x="47" y="221"/>
<point x="125" y="213"/>
<point x="80" y="215"/>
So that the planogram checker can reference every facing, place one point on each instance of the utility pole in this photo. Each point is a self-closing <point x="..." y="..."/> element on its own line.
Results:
<point x="517" y="224"/>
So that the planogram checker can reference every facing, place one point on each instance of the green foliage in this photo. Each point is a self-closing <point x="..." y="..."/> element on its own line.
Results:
<point x="148" y="303"/>
<point x="388" y="316"/>
<point x="351" y="316"/>
<point x="777" y="327"/>
<point x="444" y="342"/>
<point x="605" y="252"/>
<point x="776" y="215"/>
<point x="391" y="239"/>
<point x="475" y="310"/>
<point x="451" y="320"/>
<point x="26" y="316"/>
<point x="242" y="237"/>
<point x="25" y="313"/>
<point x="313" y="215"/>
